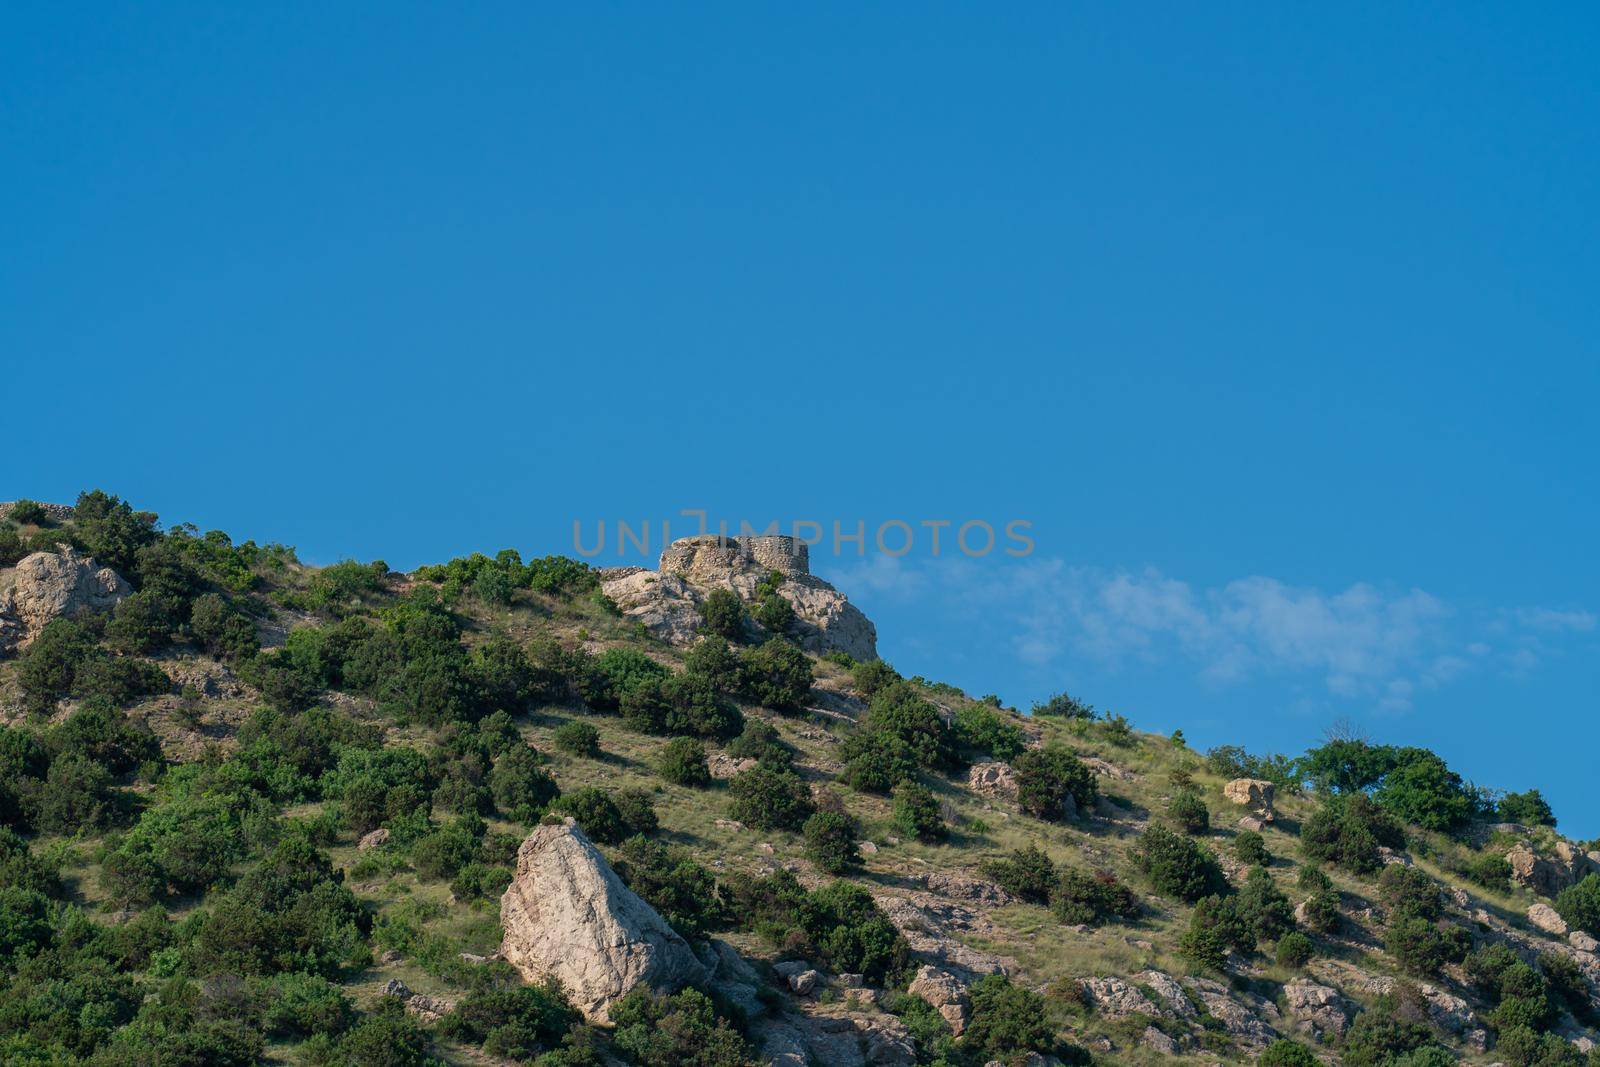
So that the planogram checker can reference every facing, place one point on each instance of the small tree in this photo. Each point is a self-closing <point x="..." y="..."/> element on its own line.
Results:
<point x="830" y="841"/>
<point x="916" y="813"/>
<point x="722" y="615"/>
<point x="1251" y="848"/>
<point x="577" y="737"/>
<point x="1048" y="777"/>
<point x="1580" y="904"/>
<point x="1177" y="866"/>
<point x="769" y="799"/>
<point x="521" y="787"/>
<point x="683" y="762"/>
<point x="1188" y="812"/>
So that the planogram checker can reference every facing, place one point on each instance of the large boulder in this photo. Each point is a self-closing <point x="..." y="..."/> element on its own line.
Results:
<point x="53" y="585"/>
<point x="667" y="600"/>
<point x="946" y="993"/>
<point x="1319" y="1010"/>
<point x="567" y="915"/>
<point x="1254" y="793"/>
<point x="1549" y="874"/>
<point x="993" y="779"/>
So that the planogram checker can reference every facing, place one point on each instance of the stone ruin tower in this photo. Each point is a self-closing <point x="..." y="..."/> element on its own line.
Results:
<point x="710" y="553"/>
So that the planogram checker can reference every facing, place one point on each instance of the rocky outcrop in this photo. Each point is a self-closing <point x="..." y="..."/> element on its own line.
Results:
<point x="1543" y="917"/>
<point x="932" y="926"/>
<point x="993" y="779"/>
<point x="961" y="886"/>
<point x="1564" y="866"/>
<point x="1245" y="1017"/>
<point x="567" y="915"/>
<point x="1115" y="998"/>
<point x="53" y="585"/>
<point x="667" y="600"/>
<point x="946" y="993"/>
<point x="1319" y="1010"/>
<point x="1254" y="794"/>
<point x="427" y="1009"/>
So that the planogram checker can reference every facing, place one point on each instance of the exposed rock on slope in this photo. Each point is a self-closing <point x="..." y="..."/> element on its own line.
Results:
<point x="567" y="914"/>
<point x="668" y="600"/>
<point x="53" y="585"/>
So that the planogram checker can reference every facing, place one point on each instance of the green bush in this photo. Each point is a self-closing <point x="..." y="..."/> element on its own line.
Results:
<point x="1062" y="706"/>
<point x="1251" y="848"/>
<point x="872" y="675"/>
<point x="838" y="927"/>
<point x="1294" y="950"/>
<point x="1008" y="1022"/>
<point x="876" y="761"/>
<point x="301" y="1005"/>
<point x="386" y="1037"/>
<point x="979" y="728"/>
<point x="775" y="614"/>
<point x="1420" y="946"/>
<point x="1264" y="906"/>
<point x="765" y="798"/>
<point x="1176" y="866"/>
<point x="761" y="741"/>
<point x="722" y="615"/>
<point x="1081" y="898"/>
<point x="1348" y="830"/>
<point x="1529" y="809"/>
<point x="577" y="737"/>
<point x="830" y="841"/>
<point x="621" y="670"/>
<point x="776" y="675"/>
<point x="1321" y="910"/>
<point x="683" y="1028"/>
<point x="1188" y="812"/>
<point x="520" y="785"/>
<point x="1382" y="1035"/>
<point x="715" y="662"/>
<point x="510" y="1020"/>
<point x="675" y="884"/>
<point x="917" y="814"/>
<point x="1580" y="904"/>
<point x="1410" y="891"/>
<point x="1286" y="1053"/>
<point x="1048" y="777"/>
<point x="683" y="762"/>
<point x="1027" y="873"/>
<point x="596" y="813"/>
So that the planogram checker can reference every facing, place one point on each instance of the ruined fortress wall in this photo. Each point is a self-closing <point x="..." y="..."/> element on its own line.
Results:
<point x="776" y="552"/>
<point x="57" y="512"/>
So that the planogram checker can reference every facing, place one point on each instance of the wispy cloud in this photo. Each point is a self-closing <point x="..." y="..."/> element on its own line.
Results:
<point x="1379" y="645"/>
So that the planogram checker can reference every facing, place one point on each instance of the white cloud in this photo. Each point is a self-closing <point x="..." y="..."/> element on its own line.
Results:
<point x="1367" y="643"/>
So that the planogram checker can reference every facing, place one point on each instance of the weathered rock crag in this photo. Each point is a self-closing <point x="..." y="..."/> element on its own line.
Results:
<point x="667" y="600"/>
<point x="52" y="585"/>
<point x="566" y="914"/>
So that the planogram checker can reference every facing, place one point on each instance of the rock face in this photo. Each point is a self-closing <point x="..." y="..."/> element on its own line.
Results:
<point x="1564" y="866"/>
<point x="1543" y="917"/>
<point x="1319" y="1009"/>
<point x="53" y="585"/>
<point x="946" y="993"/>
<point x="993" y="779"/>
<point x="567" y="914"/>
<point x="667" y="600"/>
<point x="1253" y="793"/>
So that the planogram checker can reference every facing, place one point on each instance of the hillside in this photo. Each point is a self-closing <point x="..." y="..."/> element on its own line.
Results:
<point x="259" y="811"/>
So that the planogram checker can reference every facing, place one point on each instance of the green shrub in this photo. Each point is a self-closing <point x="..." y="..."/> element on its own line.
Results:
<point x="838" y="927"/>
<point x="1008" y="1021"/>
<point x="1251" y="848"/>
<point x="47" y="668"/>
<point x="510" y="1020"/>
<point x="1382" y="1034"/>
<point x="1409" y="891"/>
<point x="979" y="728"/>
<point x="386" y="1037"/>
<point x="520" y="785"/>
<point x="683" y="1028"/>
<point x="722" y="615"/>
<point x="98" y="732"/>
<point x="872" y="675"/>
<point x="1188" y="812"/>
<point x="620" y="671"/>
<point x="830" y="841"/>
<point x="765" y="798"/>
<point x="876" y="761"/>
<point x="596" y="813"/>
<point x="577" y="737"/>
<point x="1286" y="1053"/>
<point x="301" y="1005"/>
<point x="1176" y="866"/>
<point x="638" y="811"/>
<point x="1321" y="910"/>
<point x="1048" y="777"/>
<point x="683" y="762"/>
<point x="1348" y="830"/>
<point x="1580" y="904"/>
<point x="1063" y="706"/>
<point x="775" y="614"/>
<point x="715" y="662"/>
<point x="1294" y="949"/>
<point x="776" y="675"/>
<point x="761" y="741"/>
<point x="1529" y="809"/>
<point x="1264" y="906"/>
<point x="675" y="884"/>
<point x="1027" y="873"/>
<point x="1079" y="897"/>
<point x="1420" y="946"/>
<point x="917" y="813"/>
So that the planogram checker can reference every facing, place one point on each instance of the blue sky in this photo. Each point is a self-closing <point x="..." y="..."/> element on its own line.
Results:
<point x="1277" y="323"/>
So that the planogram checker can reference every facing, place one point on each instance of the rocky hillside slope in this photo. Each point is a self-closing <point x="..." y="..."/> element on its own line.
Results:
<point x="497" y="811"/>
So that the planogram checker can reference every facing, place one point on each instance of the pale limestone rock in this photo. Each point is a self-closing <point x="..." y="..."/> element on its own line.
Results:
<point x="46" y="586"/>
<point x="1115" y="998"/>
<point x="1543" y="917"/>
<point x="667" y="600"/>
<point x="566" y="914"/>
<point x="1171" y="993"/>
<point x="946" y="993"/>
<point x="1320" y="1009"/>
<point x="993" y="779"/>
<point x="1158" y="1042"/>
<point x="373" y="840"/>
<point x="1583" y="942"/>
<point x="1253" y="793"/>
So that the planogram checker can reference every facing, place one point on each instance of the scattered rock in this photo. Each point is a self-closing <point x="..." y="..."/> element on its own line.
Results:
<point x="946" y="993"/>
<point x="867" y="848"/>
<point x="730" y="824"/>
<point x="930" y="925"/>
<point x="993" y="779"/>
<point x="374" y="839"/>
<point x="1583" y="942"/>
<point x="1252" y="793"/>
<point x="1566" y="865"/>
<point x="1321" y="1010"/>
<point x="1171" y="993"/>
<point x="1543" y="917"/>
<point x="1244" y="1019"/>
<point x="724" y="766"/>
<point x="566" y="914"/>
<point x="960" y="886"/>
<point x="46" y="586"/>
<point x="1115" y="998"/>
<point x="1250" y="822"/>
<point x="1158" y="1042"/>
<point x="1107" y="769"/>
